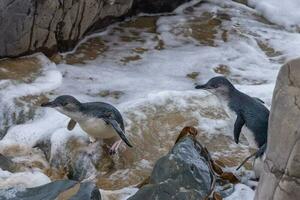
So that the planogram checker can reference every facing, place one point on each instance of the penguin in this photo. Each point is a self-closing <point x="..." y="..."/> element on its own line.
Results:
<point x="98" y="119"/>
<point x="249" y="112"/>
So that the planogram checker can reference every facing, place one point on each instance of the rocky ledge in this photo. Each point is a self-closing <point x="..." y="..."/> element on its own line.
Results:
<point x="49" y="26"/>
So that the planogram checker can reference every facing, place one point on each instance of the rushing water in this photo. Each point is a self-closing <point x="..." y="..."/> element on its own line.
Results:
<point x="147" y="66"/>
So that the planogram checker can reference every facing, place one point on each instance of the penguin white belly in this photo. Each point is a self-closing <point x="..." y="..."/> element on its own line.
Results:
<point x="97" y="128"/>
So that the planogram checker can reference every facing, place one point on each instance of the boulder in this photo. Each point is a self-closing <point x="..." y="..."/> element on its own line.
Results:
<point x="182" y="174"/>
<point x="281" y="176"/>
<point x="6" y="163"/>
<point x="62" y="189"/>
<point x="49" y="26"/>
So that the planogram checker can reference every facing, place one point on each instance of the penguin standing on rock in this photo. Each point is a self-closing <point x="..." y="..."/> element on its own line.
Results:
<point x="250" y="112"/>
<point x="98" y="119"/>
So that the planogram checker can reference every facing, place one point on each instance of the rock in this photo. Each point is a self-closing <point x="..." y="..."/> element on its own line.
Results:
<point x="6" y="164"/>
<point x="182" y="174"/>
<point x="77" y="158"/>
<point x="62" y="189"/>
<point x="87" y="190"/>
<point x="53" y="25"/>
<point x="156" y="6"/>
<point x="281" y="173"/>
<point x="44" y="145"/>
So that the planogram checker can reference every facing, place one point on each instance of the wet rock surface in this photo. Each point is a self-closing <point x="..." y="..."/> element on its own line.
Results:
<point x="50" y="26"/>
<point x="6" y="163"/>
<point x="182" y="174"/>
<point x="281" y="176"/>
<point x="61" y="190"/>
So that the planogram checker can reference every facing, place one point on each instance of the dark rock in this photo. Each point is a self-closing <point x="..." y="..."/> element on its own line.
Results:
<point x="51" y="191"/>
<point x="156" y="6"/>
<point x="49" y="26"/>
<point x="87" y="191"/>
<point x="6" y="163"/>
<point x="78" y="157"/>
<point x="45" y="146"/>
<point x="182" y="174"/>
<point x="281" y="173"/>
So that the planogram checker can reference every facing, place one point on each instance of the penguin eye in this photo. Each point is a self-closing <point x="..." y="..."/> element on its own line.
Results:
<point x="64" y="103"/>
<point x="215" y="85"/>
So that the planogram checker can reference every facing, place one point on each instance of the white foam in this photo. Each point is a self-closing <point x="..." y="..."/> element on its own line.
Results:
<point x="121" y="194"/>
<point x="22" y="179"/>
<point x="49" y="80"/>
<point x="241" y="191"/>
<point x="284" y="13"/>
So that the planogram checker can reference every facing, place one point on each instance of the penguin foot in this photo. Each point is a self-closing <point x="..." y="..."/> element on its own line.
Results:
<point x="92" y="140"/>
<point x="114" y="148"/>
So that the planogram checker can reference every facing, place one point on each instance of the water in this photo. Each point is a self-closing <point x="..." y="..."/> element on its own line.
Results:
<point x="147" y="67"/>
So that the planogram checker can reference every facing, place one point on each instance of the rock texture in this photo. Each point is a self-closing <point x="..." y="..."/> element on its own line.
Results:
<point x="182" y="174"/>
<point x="281" y="177"/>
<point x="62" y="189"/>
<point x="6" y="163"/>
<point x="50" y="25"/>
<point x="57" y="25"/>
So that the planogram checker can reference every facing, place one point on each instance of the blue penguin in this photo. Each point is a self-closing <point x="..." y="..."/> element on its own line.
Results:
<point x="98" y="119"/>
<point x="249" y="111"/>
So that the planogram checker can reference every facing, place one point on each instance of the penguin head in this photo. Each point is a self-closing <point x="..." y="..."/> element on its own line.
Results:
<point x="65" y="104"/>
<point x="219" y="86"/>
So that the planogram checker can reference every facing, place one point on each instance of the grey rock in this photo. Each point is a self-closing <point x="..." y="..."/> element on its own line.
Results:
<point x="156" y="6"/>
<point x="281" y="176"/>
<point x="87" y="191"/>
<point x="57" y="25"/>
<point x="50" y="25"/>
<point x="44" y="145"/>
<point x="79" y="157"/>
<point x="182" y="174"/>
<point x="52" y="190"/>
<point x="6" y="163"/>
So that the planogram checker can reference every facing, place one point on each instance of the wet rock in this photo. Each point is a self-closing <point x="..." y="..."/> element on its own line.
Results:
<point x="182" y="174"/>
<point x="49" y="26"/>
<point x="156" y="6"/>
<point x="6" y="164"/>
<point x="76" y="159"/>
<point x="62" y="189"/>
<point x="45" y="146"/>
<point x="281" y="172"/>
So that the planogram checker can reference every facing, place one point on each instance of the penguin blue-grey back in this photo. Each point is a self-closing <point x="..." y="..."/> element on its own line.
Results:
<point x="249" y="111"/>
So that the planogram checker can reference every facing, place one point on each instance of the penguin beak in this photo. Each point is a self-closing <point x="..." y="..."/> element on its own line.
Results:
<point x="50" y="104"/>
<point x="202" y="87"/>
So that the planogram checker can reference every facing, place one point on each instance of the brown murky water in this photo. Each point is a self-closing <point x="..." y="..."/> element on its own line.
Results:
<point x="20" y="69"/>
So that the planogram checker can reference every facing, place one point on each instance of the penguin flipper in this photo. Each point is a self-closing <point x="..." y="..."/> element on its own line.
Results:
<point x="239" y="123"/>
<point x="118" y="129"/>
<point x="71" y="124"/>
